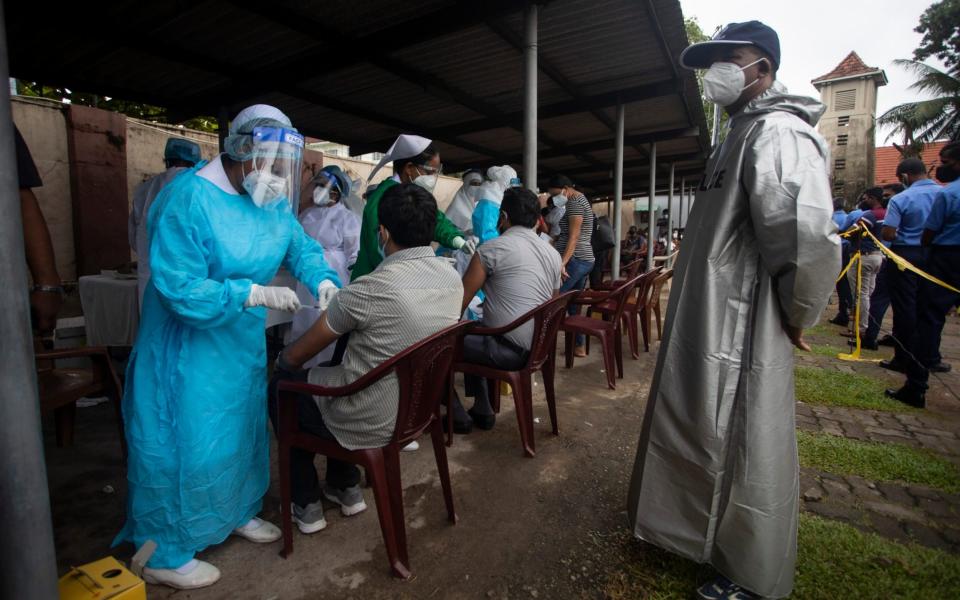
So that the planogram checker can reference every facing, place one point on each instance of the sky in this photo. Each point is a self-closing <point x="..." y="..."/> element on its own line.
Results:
<point x="815" y="35"/>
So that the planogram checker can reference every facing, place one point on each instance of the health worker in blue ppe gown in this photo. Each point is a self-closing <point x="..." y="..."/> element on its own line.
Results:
<point x="195" y="404"/>
<point x="487" y="213"/>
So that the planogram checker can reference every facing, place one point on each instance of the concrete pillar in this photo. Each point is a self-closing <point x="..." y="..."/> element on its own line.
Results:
<point x="530" y="97"/>
<point x="651" y="217"/>
<point x="670" y="213"/>
<point x="617" y="193"/>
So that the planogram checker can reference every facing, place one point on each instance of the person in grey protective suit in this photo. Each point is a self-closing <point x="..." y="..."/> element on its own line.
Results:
<point x="716" y="474"/>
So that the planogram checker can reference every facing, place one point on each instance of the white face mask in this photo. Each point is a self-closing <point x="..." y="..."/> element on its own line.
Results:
<point x="321" y="196"/>
<point x="559" y="200"/>
<point x="473" y="192"/>
<point x="265" y="188"/>
<point x="724" y="82"/>
<point x="427" y="182"/>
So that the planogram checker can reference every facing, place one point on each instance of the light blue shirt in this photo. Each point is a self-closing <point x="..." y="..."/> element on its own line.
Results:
<point x="908" y="211"/>
<point x="850" y="219"/>
<point x="839" y="217"/>
<point x="944" y="216"/>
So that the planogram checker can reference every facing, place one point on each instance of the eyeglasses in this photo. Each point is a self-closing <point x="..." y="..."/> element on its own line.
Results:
<point x="438" y="170"/>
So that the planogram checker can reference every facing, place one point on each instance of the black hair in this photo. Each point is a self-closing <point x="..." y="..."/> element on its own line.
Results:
<point x="896" y="188"/>
<point x="560" y="181"/>
<point x="951" y="151"/>
<point x="911" y="166"/>
<point x="875" y="192"/>
<point x="838" y="203"/>
<point x="521" y="206"/>
<point x="420" y="159"/>
<point x="409" y="213"/>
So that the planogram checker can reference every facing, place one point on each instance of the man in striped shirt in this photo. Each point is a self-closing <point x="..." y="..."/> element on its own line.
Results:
<point x="411" y="295"/>
<point x="576" y="229"/>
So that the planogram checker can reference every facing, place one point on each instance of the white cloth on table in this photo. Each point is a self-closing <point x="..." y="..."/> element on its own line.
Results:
<point x="111" y="310"/>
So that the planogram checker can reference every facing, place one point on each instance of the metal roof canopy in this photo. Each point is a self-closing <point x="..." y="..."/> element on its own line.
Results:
<point x="360" y="73"/>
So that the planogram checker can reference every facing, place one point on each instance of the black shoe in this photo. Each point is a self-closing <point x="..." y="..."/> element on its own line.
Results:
<point x="840" y="320"/>
<point x="887" y="340"/>
<point x="864" y="344"/>
<point x="894" y="365"/>
<point x="940" y="367"/>
<point x="459" y="427"/>
<point x="908" y="395"/>
<point x="484" y="422"/>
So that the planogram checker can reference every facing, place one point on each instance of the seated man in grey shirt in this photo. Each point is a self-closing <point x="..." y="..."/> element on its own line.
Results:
<point x="518" y="272"/>
<point x="411" y="295"/>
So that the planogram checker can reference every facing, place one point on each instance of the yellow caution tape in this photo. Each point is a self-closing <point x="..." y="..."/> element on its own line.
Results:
<point x="904" y="265"/>
<point x="855" y="256"/>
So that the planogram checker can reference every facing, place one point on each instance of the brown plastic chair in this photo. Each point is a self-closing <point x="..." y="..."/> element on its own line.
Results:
<point x="424" y="379"/>
<point x="629" y="271"/>
<point x="607" y="331"/>
<point x="655" y="292"/>
<point x="61" y="388"/>
<point x="633" y="313"/>
<point x="542" y="357"/>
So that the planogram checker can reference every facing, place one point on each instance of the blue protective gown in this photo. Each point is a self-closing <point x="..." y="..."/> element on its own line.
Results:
<point x="195" y="402"/>
<point x="485" y="218"/>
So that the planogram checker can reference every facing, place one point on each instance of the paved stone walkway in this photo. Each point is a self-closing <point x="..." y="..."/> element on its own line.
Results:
<point x="905" y="513"/>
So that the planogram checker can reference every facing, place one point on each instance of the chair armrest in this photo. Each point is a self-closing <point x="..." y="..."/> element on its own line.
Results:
<point x="339" y="391"/>
<point x="88" y="351"/>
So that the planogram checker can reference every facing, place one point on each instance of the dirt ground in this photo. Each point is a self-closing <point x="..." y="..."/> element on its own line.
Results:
<point x="542" y="527"/>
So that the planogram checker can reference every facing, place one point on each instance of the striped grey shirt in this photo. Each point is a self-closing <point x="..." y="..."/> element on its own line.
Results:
<point x="411" y="295"/>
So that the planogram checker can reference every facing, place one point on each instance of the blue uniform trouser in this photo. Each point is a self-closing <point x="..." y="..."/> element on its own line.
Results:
<point x="844" y="296"/>
<point x="879" y="303"/>
<point x="934" y="303"/>
<point x="904" y="289"/>
<point x="578" y="271"/>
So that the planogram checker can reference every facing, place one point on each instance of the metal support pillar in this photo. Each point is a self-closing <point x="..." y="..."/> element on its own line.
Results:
<point x="690" y="189"/>
<point x="651" y="216"/>
<point x="530" y="97"/>
<point x="683" y="190"/>
<point x="670" y="213"/>
<point x="617" y="194"/>
<point x="28" y="566"/>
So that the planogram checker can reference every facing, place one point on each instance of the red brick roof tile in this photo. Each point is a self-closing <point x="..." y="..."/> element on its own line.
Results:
<point x="888" y="158"/>
<point x="848" y="67"/>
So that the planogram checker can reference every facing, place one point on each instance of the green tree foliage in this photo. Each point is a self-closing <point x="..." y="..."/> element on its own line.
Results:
<point x="926" y="121"/>
<point x="940" y="26"/>
<point x="137" y="110"/>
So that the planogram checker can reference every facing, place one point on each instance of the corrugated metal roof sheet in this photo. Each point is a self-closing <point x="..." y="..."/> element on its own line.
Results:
<point x="361" y="72"/>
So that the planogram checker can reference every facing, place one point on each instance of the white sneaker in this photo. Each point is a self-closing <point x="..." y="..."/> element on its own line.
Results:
<point x="259" y="531"/>
<point x="411" y="447"/>
<point x="309" y="519"/>
<point x="350" y="500"/>
<point x="202" y="575"/>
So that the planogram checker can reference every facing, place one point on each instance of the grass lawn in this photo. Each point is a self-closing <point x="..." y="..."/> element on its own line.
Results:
<point x="836" y="388"/>
<point x="834" y="560"/>
<point x="877" y="461"/>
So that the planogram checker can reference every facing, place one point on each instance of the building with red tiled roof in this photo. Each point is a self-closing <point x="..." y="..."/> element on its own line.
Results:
<point x="849" y="92"/>
<point x="888" y="157"/>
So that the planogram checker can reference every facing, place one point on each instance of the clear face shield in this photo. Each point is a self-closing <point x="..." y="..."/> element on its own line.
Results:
<point x="325" y="190"/>
<point x="274" y="178"/>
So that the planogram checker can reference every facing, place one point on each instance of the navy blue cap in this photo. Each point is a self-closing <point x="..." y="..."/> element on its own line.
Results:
<point x="750" y="33"/>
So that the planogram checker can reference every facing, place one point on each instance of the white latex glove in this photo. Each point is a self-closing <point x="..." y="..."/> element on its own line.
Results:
<point x="325" y="293"/>
<point x="466" y="246"/>
<point x="275" y="297"/>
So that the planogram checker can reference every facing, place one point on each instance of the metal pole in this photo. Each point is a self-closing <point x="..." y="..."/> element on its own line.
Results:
<point x="715" y="130"/>
<point x="683" y="190"/>
<point x="530" y="98"/>
<point x="28" y="566"/>
<point x="617" y="193"/>
<point x="670" y="213"/>
<point x="651" y="218"/>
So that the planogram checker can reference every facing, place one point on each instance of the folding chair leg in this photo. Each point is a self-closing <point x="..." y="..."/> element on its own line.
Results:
<point x="609" y="362"/>
<point x="568" y="348"/>
<point x="440" y="453"/>
<point x="524" y="400"/>
<point x="523" y="415"/>
<point x="381" y="494"/>
<point x="286" y="493"/>
<point x="391" y="457"/>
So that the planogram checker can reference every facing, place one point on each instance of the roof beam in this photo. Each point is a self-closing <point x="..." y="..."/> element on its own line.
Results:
<point x="560" y="109"/>
<point x="630" y="164"/>
<point x="630" y="140"/>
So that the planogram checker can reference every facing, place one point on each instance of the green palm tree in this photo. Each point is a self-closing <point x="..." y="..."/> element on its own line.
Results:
<point x="926" y="121"/>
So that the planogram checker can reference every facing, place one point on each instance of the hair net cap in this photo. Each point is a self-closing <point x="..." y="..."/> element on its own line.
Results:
<point x="181" y="149"/>
<point x="257" y="112"/>
<point x="406" y="146"/>
<point x="502" y="175"/>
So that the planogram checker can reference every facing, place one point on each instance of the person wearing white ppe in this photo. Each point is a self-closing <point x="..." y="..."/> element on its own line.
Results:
<point x="416" y="161"/>
<point x="194" y="407"/>
<point x="716" y="474"/>
<point x="487" y="213"/>
<point x="179" y="154"/>
<point x="460" y="211"/>
<point x="337" y="229"/>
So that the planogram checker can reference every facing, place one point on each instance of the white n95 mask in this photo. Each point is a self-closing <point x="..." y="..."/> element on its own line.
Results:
<point x="265" y="188"/>
<point x="321" y="196"/>
<point x="427" y="182"/>
<point x="724" y="82"/>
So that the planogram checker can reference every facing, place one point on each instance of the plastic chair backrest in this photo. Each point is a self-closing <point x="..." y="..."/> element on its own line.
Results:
<point x="423" y="372"/>
<point x="547" y="320"/>
<point x="620" y="295"/>
<point x="631" y="269"/>
<point x="644" y="282"/>
<point x="658" y="285"/>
